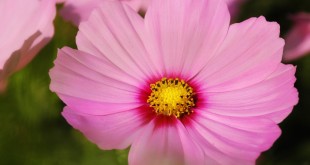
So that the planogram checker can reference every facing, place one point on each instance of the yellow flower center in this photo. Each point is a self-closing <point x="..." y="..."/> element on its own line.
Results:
<point x="171" y="97"/>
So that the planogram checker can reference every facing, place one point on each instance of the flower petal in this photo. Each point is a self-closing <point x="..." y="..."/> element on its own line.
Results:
<point x="114" y="131"/>
<point x="165" y="141"/>
<point x="274" y="95"/>
<point x="44" y="21"/>
<point x="78" y="11"/>
<point x="83" y="80"/>
<point x="60" y="1"/>
<point x="25" y="32"/>
<point x="179" y="33"/>
<point x="252" y="50"/>
<point x="116" y="39"/>
<point x="298" y="38"/>
<point x="231" y="140"/>
<point x="138" y="5"/>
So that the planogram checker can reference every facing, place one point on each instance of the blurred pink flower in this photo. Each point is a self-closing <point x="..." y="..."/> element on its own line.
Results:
<point x="79" y="10"/>
<point x="181" y="86"/>
<point x="298" y="38"/>
<point x="27" y="27"/>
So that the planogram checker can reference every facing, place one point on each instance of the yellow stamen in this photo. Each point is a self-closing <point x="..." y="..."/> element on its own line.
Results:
<point x="171" y="97"/>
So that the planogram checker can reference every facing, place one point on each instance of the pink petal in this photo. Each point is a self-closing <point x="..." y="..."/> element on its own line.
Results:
<point x="78" y="76"/>
<point x="101" y="102"/>
<point x="60" y="1"/>
<point x="78" y="11"/>
<point x="232" y="140"/>
<point x="252" y="50"/>
<point x="273" y="97"/>
<point x="114" y="131"/>
<point x="166" y="142"/>
<point x="298" y="38"/>
<point x="92" y="86"/>
<point x="116" y="39"/>
<point x="179" y="33"/>
<point x="138" y="5"/>
<point x="28" y="27"/>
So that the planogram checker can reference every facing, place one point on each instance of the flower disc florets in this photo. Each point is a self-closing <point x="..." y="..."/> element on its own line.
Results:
<point x="171" y="97"/>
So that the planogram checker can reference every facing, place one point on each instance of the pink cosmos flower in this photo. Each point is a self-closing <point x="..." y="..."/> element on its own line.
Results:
<point x="79" y="10"/>
<point x="27" y="27"/>
<point x="181" y="86"/>
<point x="298" y="38"/>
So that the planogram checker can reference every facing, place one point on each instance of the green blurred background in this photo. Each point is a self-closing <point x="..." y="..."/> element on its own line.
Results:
<point x="32" y="131"/>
